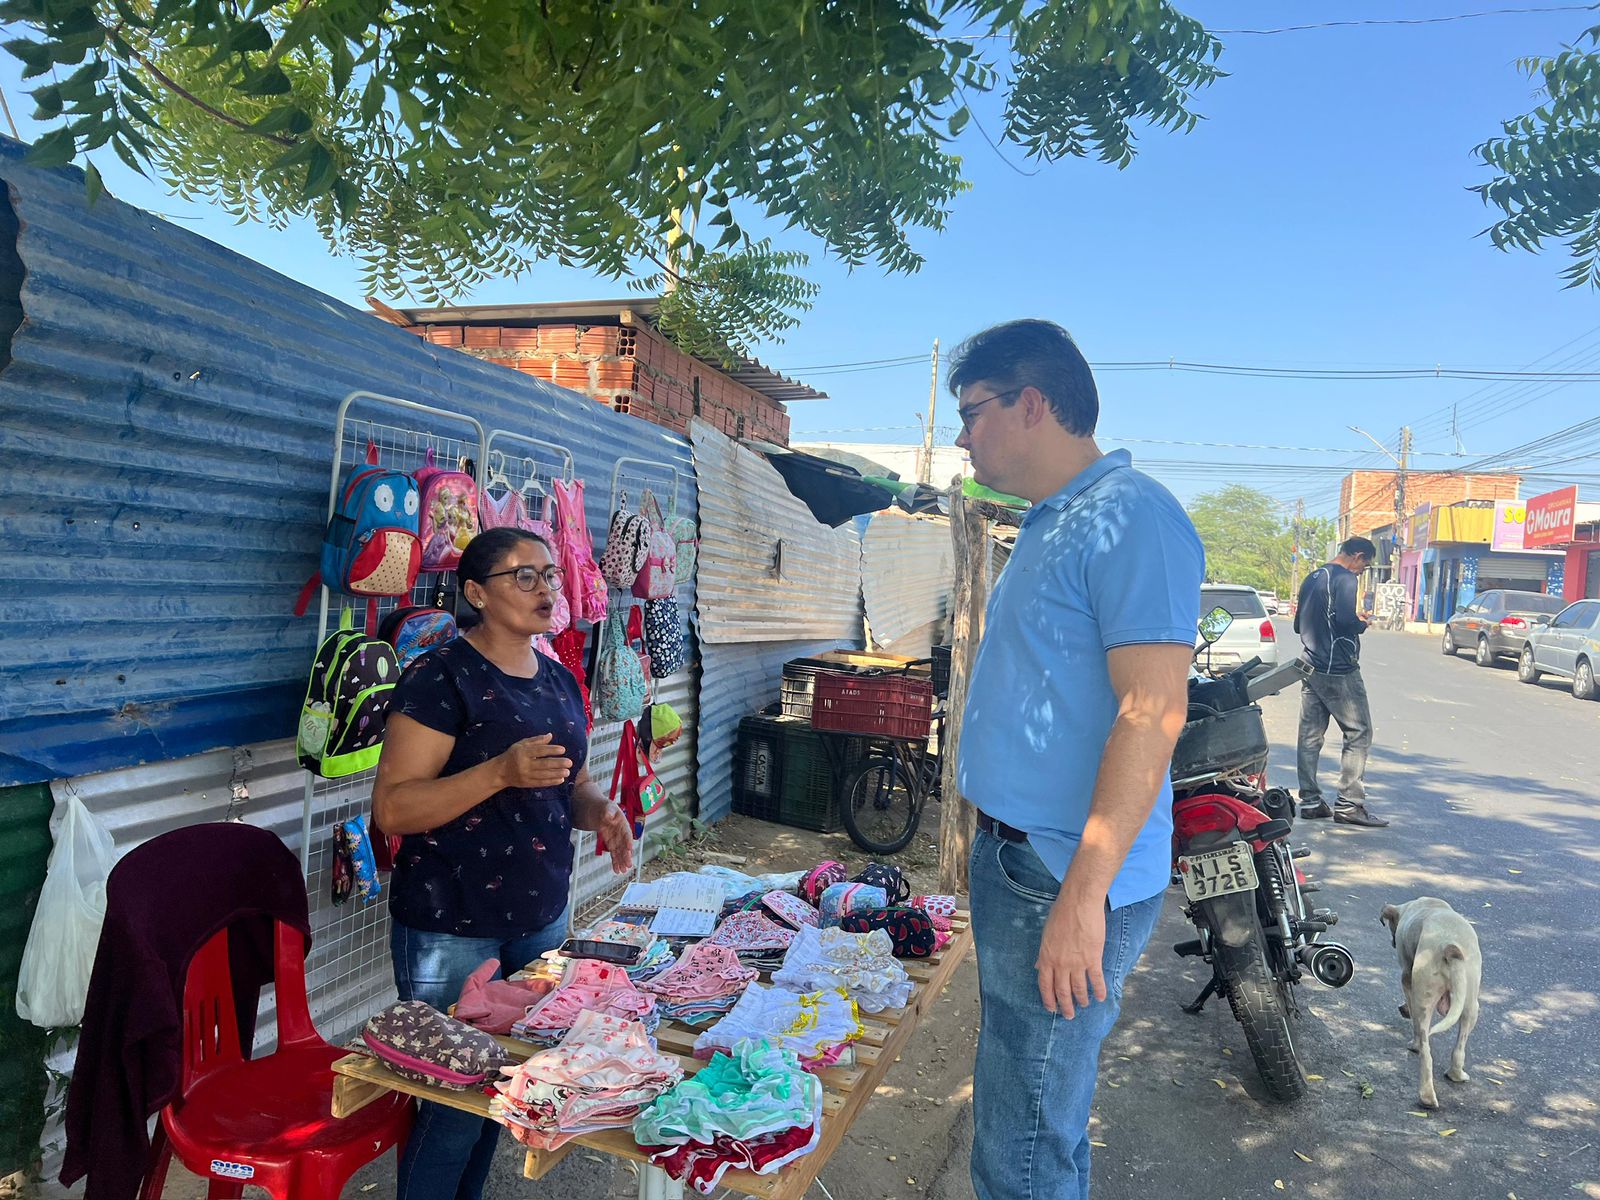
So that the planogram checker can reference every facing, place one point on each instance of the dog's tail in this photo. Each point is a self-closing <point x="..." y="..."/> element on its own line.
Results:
<point x="1455" y="965"/>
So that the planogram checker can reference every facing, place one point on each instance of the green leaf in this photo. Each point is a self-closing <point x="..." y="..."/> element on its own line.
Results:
<point x="93" y="186"/>
<point x="53" y="149"/>
<point x="250" y="37"/>
<point x="371" y="99"/>
<point x="320" y="173"/>
<point x="269" y="81"/>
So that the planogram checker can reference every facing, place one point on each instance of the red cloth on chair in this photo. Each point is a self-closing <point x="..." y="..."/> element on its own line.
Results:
<point x="165" y="900"/>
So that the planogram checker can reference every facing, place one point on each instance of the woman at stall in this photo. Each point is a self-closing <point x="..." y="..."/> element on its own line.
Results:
<point x="483" y="777"/>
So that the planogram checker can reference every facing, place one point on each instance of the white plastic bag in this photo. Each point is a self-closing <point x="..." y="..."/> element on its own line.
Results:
<point x="54" y="981"/>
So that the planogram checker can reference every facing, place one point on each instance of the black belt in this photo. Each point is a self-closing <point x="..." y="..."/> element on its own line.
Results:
<point x="1000" y="829"/>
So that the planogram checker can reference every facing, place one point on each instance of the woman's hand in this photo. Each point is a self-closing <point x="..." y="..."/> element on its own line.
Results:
<point x="618" y="833"/>
<point x="535" y="762"/>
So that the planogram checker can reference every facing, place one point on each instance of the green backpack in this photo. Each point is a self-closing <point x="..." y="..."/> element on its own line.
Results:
<point x="341" y="723"/>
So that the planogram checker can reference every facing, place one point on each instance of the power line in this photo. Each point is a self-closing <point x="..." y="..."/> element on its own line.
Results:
<point x="1471" y="16"/>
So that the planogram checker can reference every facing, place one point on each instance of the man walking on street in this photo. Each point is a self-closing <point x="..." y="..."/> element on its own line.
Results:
<point x="1077" y="698"/>
<point x="1331" y="632"/>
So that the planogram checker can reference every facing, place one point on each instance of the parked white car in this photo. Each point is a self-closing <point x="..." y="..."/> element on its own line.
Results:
<point x="1270" y="599"/>
<point x="1252" y="634"/>
<point x="1568" y="647"/>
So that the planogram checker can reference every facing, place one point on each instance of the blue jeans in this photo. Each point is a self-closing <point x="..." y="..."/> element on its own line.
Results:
<point x="450" y="1152"/>
<point x="1035" y="1075"/>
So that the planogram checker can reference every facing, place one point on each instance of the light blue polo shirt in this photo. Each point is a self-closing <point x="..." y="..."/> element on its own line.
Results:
<point x="1109" y="560"/>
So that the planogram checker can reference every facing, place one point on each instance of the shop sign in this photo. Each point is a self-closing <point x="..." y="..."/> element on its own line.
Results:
<point x="1421" y="526"/>
<point x="1551" y="519"/>
<point x="1509" y="518"/>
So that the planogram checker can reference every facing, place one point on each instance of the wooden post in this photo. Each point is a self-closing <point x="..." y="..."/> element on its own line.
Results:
<point x="969" y="536"/>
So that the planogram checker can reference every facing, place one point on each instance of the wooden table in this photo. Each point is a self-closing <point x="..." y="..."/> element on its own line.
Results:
<point x="845" y="1089"/>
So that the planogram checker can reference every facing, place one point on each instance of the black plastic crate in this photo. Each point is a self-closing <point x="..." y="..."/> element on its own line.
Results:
<point x="782" y="773"/>
<point x="758" y="768"/>
<point x="941" y="671"/>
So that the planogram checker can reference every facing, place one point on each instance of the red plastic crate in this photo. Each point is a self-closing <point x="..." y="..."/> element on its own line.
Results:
<point x="897" y="706"/>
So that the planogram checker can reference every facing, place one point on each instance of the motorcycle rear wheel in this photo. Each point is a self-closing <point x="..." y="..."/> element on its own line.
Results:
<point x="1261" y="1008"/>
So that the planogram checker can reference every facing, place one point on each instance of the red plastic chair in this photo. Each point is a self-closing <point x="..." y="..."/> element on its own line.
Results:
<point x="265" y="1121"/>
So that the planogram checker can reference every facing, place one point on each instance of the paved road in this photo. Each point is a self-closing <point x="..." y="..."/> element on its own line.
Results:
<point x="1492" y="787"/>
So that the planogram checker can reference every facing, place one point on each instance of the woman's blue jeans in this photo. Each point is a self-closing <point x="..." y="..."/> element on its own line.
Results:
<point x="1035" y="1075"/>
<point x="450" y="1152"/>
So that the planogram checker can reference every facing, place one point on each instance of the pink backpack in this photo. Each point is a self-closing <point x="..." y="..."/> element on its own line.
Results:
<point x="449" y="515"/>
<point x="658" y="576"/>
<point x="585" y="588"/>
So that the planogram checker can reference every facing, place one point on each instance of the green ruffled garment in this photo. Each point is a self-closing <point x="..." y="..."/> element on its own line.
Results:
<point x="758" y="1089"/>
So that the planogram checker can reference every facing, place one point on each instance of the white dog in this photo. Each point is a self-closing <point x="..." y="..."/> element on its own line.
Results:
<point x="1441" y="969"/>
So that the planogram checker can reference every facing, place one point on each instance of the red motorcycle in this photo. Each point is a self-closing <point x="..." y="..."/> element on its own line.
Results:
<point x="1244" y="894"/>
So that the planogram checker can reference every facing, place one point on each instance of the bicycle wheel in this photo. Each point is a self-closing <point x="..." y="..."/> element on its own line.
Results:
<point x="881" y="805"/>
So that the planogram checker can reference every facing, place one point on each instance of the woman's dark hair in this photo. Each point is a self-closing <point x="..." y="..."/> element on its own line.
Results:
<point x="1031" y="353"/>
<point x="482" y="558"/>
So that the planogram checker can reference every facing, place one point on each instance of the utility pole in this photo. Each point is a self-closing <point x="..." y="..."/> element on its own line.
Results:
<point x="1295" y="552"/>
<point x="927" y="430"/>
<point x="1399" y="501"/>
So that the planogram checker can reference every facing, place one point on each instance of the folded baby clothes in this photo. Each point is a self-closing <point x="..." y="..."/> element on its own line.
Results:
<point x="600" y="1076"/>
<point x="494" y="1005"/>
<point x="701" y="986"/>
<point x="842" y="898"/>
<point x="809" y="1026"/>
<point x="862" y="964"/>
<point x="756" y="938"/>
<point x="752" y="1108"/>
<point x="586" y="985"/>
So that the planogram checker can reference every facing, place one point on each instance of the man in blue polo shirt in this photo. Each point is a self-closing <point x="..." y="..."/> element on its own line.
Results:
<point x="1078" y="696"/>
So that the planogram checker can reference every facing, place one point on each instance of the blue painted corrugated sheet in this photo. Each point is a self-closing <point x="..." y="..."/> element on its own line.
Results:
<point x="166" y="435"/>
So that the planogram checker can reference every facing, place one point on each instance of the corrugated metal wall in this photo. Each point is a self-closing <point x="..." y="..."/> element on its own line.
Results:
<point x="907" y="579"/>
<point x="168" y="428"/>
<point x="750" y="619"/>
<point x="768" y="570"/>
<point x="24" y="852"/>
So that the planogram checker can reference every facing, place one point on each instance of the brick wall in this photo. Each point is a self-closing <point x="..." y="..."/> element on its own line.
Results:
<point x="1366" y="498"/>
<point x="630" y="368"/>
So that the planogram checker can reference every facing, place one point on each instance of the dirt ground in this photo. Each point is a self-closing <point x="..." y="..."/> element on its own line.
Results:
<point x="904" y="1137"/>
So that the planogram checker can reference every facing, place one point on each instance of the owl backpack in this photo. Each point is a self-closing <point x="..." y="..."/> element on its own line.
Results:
<point x="371" y="547"/>
<point x="347" y="697"/>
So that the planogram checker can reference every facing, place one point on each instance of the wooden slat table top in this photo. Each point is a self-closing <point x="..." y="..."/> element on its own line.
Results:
<point x="362" y="1079"/>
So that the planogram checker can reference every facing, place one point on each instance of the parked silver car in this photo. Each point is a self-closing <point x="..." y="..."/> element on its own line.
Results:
<point x="1568" y="647"/>
<point x="1497" y="623"/>
<point x="1251" y="635"/>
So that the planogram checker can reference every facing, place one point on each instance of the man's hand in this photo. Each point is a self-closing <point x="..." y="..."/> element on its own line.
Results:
<point x="618" y="833"/>
<point x="1070" y="953"/>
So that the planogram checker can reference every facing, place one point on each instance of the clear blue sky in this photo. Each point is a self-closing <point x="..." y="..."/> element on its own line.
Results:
<point x="1318" y="217"/>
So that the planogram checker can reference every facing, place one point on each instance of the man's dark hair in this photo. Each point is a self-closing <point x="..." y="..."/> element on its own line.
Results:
<point x="1031" y="353"/>
<point x="1355" y="546"/>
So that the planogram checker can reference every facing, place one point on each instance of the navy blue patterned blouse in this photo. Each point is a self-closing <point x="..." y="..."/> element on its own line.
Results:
<point x="501" y="868"/>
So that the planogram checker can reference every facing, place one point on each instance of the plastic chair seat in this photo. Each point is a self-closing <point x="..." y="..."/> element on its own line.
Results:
<point x="271" y="1110"/>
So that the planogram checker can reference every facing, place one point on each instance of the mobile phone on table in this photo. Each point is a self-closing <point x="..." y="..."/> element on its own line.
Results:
<point x="610" y="952"/>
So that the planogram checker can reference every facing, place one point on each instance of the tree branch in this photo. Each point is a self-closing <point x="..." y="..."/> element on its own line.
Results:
<point x="177" y="89"/>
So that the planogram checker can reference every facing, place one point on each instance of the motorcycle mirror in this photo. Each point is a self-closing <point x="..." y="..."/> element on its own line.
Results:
<point x="1214" y="624"/>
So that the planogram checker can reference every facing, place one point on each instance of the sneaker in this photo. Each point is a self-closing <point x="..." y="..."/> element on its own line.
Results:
<point x="1316" y="810"/>
<point x="1357" y="814"/>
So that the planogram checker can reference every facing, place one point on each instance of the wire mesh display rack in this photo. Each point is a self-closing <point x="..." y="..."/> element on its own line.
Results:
<point x="348" y="972"/>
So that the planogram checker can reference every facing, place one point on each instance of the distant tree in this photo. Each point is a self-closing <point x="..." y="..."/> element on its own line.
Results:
<point x="1243" y="533"/>
<point x="450" y="142"/>
<point x="1547" y="162"/>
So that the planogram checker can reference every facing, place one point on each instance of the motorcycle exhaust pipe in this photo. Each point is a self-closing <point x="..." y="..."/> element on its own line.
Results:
<point x="1330" y="962"/>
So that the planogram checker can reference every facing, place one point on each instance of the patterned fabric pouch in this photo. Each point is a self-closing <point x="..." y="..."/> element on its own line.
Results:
<point x="888" y="878"/>
<point x="910" y="929"/>
<point x="419" y="1043"/>
<point x="844" y="898"/>
<point x="821" y="877"/>
<point x="789" y="909"/>
<point x="941" y="910"/>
